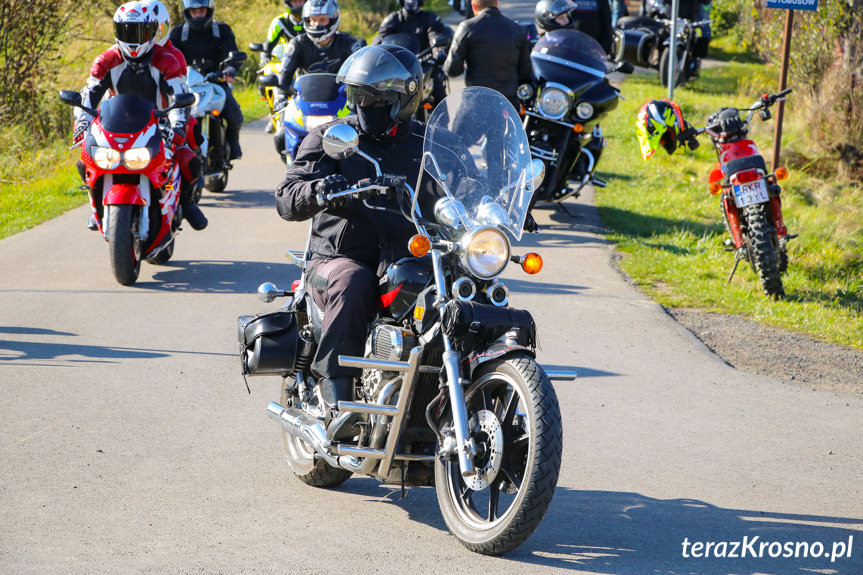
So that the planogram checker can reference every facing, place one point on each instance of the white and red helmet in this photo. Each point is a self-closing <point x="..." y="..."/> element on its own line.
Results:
<point x="163" y="17"/>
<point x="135" y="30"/>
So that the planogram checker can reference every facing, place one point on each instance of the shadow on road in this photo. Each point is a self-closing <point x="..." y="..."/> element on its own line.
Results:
<point x="630" y="534"/>
<point x="28" y="353"/>
<point x="219" y="276"/>
<point x="239" y="199"/>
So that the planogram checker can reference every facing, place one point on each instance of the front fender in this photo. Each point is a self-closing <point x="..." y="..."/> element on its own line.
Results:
<point x="124" y="194"/>
<point x="492" y="351"/>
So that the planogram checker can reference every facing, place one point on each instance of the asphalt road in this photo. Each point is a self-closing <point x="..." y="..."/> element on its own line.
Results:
<point x="128" y="443"/>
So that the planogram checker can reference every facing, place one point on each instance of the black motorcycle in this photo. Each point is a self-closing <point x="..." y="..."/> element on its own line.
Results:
<point x="451" y="394"/>
<point x="562" y="113"/>
<point x="645" y="41"/>
<point x="210" y="128"/>
<point x="432" y="68"/>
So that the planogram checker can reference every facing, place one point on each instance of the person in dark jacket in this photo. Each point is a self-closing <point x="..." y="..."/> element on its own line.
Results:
<point x="206" y="43"/>
<point x="593" y="17"/>
<point x="351" y="243"/>
<point x="427" y="27"/>
<point x="491" y="50"/>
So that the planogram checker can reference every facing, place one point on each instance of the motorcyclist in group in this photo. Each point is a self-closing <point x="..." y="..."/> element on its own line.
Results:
<point x="137" y="65"/>
<point x="284" y="27"/>
<point x="351" y="244"/>
<point x="593" y="17"/>
<point x="426" y="26"/>
<point x="321" y="48"/>
<point x="206" y="43"/>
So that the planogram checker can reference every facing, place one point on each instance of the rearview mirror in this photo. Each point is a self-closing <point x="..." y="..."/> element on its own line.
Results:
<point x="341" y="141"/>
<point x="267" y="292"/>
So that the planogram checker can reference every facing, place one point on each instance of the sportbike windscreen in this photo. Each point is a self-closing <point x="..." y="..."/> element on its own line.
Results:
<point x="482" y="157"/>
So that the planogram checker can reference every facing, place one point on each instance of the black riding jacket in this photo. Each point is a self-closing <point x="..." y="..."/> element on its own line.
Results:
<point x="204" y="49"/>
<point x="423" y="24"/>
<point x="494" y="49"/>
<point x="593" y="17"/>
<point x="304" y="56"/>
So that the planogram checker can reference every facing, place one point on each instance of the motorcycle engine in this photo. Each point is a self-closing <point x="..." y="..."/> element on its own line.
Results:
<point x="390" y="343"/>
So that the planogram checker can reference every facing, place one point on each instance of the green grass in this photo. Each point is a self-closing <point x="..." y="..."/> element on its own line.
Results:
<point x="670" y="228"/>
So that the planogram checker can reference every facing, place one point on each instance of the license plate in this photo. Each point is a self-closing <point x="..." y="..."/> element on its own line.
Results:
<point x="750" y="193"/>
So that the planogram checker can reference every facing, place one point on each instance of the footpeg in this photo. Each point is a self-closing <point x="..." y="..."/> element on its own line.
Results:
<point x="598" y="183"/>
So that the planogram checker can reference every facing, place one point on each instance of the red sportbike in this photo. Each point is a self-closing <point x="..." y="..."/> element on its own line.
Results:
<point x="132" y="179"/>
<point x="749" y="194"/>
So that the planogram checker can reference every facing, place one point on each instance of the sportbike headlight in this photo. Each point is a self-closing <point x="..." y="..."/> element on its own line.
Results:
<point x="106" y="158"/>
<point x="554" y="102"/>
<point x="485" y="252"/>
<point x="315" y="121"/>
<point x="137" y="158"/>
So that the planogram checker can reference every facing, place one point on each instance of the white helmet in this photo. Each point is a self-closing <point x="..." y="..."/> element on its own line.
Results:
<point x="328" y="8"/>
<point x="163" y="17"/>
<point x="135" y="29"/>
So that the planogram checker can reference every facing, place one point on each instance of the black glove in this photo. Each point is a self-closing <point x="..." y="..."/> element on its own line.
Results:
<point x="439" y="54"/>
<point x="81" y="127"/>
<point x="331" y="184"/>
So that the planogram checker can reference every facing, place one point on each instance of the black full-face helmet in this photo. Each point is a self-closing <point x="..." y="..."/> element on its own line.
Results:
<point x="198" y="23"/>
<point x="295" y="7"/>
<point x="383" y="86"/>
<point x="411" y="5"/>
<point x="547" y="11"/>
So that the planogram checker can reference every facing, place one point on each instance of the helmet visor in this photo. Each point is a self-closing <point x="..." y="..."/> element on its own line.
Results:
<point x="559" y="7"/>
<point x="375" y="68"/>
<point x="135" y="32"/>
<point x="189" y="4"/>
<point x="363" y="97"/>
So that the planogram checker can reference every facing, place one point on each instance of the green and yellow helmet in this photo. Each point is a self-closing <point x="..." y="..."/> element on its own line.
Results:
<point x="658" y="124"/>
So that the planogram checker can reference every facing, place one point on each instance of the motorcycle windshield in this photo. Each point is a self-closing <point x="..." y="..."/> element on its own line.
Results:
<point x="408" y="41"/>
<point x="317" y="87"/>
<point x="476" y="149"/>
<point x="569" y="57"/>
<point x="125" y="114"/>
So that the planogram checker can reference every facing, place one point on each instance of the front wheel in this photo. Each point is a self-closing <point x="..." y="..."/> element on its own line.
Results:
<point x="664" y="63"/>
<point x="763" y="249"/>
<point x="514" y="420"/>
<point x="124" y="249"/>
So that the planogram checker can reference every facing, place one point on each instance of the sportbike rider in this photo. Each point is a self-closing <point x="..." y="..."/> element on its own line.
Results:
<point x="284" y="27"/>
<point x="135" y="65"/>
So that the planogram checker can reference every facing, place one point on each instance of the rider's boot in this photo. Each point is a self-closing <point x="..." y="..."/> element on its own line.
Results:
<point x="191" y="212"/>
<point x="340" y="425"/>
<point x="232" y="135"/>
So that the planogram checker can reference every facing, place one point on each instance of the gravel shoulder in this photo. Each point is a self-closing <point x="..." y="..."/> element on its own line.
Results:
<point x="754" y="348"/>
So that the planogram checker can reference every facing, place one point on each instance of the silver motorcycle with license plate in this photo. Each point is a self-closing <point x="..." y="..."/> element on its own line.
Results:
<point x="451" y="394"/>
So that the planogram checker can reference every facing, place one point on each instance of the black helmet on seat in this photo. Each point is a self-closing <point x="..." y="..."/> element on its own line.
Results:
<point x="383" y="86"/>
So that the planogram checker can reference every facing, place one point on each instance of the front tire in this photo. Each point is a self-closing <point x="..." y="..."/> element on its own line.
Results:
<point x="301" y="459"/>
<point x="664" y="62"/>
<point x="762" y="246"/>
<point x="515" y="421"/>
<point x="124" y="250"/>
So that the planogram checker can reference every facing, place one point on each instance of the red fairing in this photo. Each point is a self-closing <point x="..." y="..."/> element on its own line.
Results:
<point x="716" y="174"/>
<point x="124" y="194"/>
<point x="737" y="150"/>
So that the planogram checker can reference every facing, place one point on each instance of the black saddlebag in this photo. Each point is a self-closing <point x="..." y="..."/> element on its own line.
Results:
<point x="634" y="46"/>
<point x="470" y="325"/>
<point x="268" y="343"/>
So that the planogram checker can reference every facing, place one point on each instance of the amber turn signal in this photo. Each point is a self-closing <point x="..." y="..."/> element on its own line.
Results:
<point x="781" y="173"/>
<point x="419" y="245"/>
<point x="531" y="263"/>
<point x="715" y="188"/>
<point x="578" y="128"/>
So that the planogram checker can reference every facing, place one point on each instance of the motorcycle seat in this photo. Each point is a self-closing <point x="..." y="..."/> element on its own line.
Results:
<point x="748" y="163"/>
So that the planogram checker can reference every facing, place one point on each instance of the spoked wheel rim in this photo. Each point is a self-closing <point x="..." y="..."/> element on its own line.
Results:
<point x="499" y="426"/>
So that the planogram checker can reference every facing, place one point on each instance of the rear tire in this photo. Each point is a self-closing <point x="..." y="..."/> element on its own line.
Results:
<point x="664" y="61"/>
<point x="124" y="250"/>
<point x="515" y="421"/>
<point x="762" y="246"/>
<point x="301" y="458"/>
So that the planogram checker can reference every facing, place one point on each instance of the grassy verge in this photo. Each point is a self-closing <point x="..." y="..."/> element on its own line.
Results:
<point x="670" y="228"/>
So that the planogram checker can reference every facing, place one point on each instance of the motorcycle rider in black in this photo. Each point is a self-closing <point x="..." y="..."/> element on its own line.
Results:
<point x="350" y="243"/>
<point x="206" y="43"/>
<point x="593" y="17"/>
<point x="423" y="24"/>
<point x="493" y="48"/>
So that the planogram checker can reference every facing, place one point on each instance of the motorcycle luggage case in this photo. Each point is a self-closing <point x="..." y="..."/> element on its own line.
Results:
<point x="634" y="46"/>
<point x="268" y="343"/>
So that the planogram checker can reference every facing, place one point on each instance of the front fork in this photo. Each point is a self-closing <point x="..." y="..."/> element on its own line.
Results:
<point x="465" y="445"/>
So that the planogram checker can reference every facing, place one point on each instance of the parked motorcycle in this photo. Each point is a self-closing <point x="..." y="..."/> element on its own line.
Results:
<point x="561" y="115"/>
<point x="451" y="394"/>
<point x="432" y="68"/>
<point x="132" y="180"/>
<point x="646" y="41"/>
<point x="749" y="194"/>
<point x="210" y="127"/>
<point x="316" y="99"/>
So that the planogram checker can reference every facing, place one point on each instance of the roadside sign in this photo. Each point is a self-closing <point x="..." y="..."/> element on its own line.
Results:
<point x="793" y="4"/>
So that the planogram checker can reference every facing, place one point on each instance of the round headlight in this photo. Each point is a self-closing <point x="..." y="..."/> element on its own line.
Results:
<point x="584" y="111"/>
<point x="106" y="158"/>
<point x="524" y="92"/>
<point x="485" y="252"/>
<point x="554" y="102"/>
<point x="137" y="158"/>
